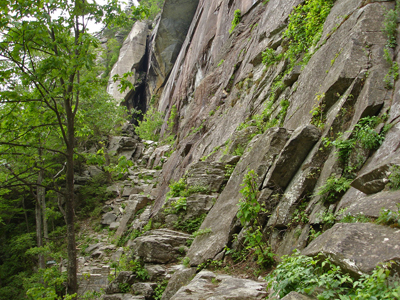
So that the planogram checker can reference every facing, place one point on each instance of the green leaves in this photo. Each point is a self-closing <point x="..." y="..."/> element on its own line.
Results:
<point x="249" y="215"/>
<point x="149" y="128"/>
<point x="333" y="188"/>
<point x="237" y="17"/>
<point x="307" y="275"/>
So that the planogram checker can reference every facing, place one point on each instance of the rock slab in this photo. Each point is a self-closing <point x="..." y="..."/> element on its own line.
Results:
<point x="207" y="285"/>
<point x="357" y="247"/>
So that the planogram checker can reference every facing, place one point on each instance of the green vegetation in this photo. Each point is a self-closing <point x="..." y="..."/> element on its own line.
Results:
<point x="249" y="215"/>
<point x="159" y="290"/>
<point x="363" y="136"/>
<point x="334" y="188"/>
<point x="189" y="225"/>
<point x="135" y="266"/>
<point x="390" y="25"/>
<point x="318" y="118"/>
<point x="394" y="177"/>
<point x="305" y="28"/>
<point x="389" y="217"/>
<point x="236" y="20"/>
<point x="301" y="36"/>
<point x="149" y="127"/>
<point x="181" y="189"/>
<point x="393" y="73"/>
<point x="221" y="62"/>
<point x="307" y="275"/>
<point x="51" y="91"/>
<point x="154" y="7"/>
<point x="390" y="30"/>
<point x="303" y="32"/>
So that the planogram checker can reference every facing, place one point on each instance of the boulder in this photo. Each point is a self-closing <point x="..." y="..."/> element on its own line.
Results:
<point x="94" y="170"/>
<point x="205" y="174"/>
<point x="357" y="247"/>
<point x="371" y="205"/>
<point x="93" y="247"/>
<point x="207" y="285"/>
<point x="131" y="209"/>
<point x="301" y="185"/>
<point x="114" y="225"/>
<point x="130" y="190"/>
<point x="123" y="277"/>
<point x="199" y="204"/>
<point x="179" y="279"/>
<point x="259" y="155"/>
<point x="159" y="246"/>
<point x="123" y="145"/>
<point x="292" y="156"/>
<point x="372" y="181"/>
<point x="145" y="289"/>
<point x="240" y="139"/>
<point x="156" y="158"/>
<point x="108" y="218"/>
<point x="156" y="272"/>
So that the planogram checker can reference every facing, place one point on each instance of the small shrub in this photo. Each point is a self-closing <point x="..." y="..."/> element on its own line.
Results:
<point x="149" y="127"/>
<point x="124" y="287"/>
<point x="177" y="206"/>
<point x="248" y="214"/>
<point x="190" y="225"/>
<point x="389" y="217"/>
<point x="186" y="262"/>
<point x="177" y="188"/>
<point x="334" y="188"/>
<point x="390" y="26"/>
<point x="236" y="20"/>
<point x="269" y="58"/>
<point x="159" y="290"/>
<point x="394" y="178"/>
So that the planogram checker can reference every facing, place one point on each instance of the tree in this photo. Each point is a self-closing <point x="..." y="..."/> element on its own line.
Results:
<point x="47" y="57"/>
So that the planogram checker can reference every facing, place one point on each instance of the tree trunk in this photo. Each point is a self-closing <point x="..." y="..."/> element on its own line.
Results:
<point x="72" y="281"/>
<point x="25" y="214"/>
<point x="45" y="224"/>
<point x="39" y="239"/>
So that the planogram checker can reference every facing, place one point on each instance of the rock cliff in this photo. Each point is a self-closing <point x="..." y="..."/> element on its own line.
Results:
<point x="319" y="126"/>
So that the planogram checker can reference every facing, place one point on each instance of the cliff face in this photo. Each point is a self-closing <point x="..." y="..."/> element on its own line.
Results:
<point x="287" y="121"/>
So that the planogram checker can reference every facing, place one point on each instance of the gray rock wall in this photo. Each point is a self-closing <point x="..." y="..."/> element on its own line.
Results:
<point x="219" y="85"/>
<point x="219" y="82"/>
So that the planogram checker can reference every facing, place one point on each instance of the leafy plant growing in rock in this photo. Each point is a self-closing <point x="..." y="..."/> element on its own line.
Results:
<point x="394" y="177"/>
<point x="307" y="275"/>
<point x="237" y="17"/>
<point x="305" y="27"/>
<point x="249" y="215"/>
<point x="159" y="290"/>
<point x="390" y="30"/>
<point x="334" y="188"/>
<point x="389" y="217"/>
<point x="363" y="135"/>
